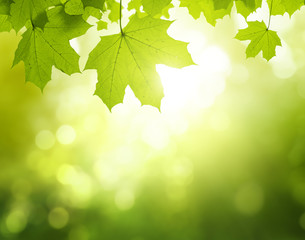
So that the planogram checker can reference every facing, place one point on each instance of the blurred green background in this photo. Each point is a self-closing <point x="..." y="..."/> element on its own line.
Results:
<point x="224" y="160"/>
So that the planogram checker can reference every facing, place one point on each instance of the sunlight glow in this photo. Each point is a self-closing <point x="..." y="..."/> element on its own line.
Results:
<point x="283" y="65"/>
<point x="180" y="172"/>
<point x="219" y="121"/>
<point x="67" y="174"/>
<point x="156" y="134"/>
<point x="45" y="140"/>
<point x="240" y="74"/>
<point x="79" y="184"/>
<point x="214" y="59"/>
<point x="188" y="92"/>
<point x="79" y="171"/>
<point x="66" y="134"/>
<point x="195" y="86"/>
<point x="107" y="175"/>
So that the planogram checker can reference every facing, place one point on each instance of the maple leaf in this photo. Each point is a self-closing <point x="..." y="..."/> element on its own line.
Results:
<point x="77" y="7"/>
<point x="249" y="4"/>
<point x="279" y="7"/>
<point x="130" y="58"/>
<point x="24" y="10"/>
<point x="40" y="50"/>
<point x="151" y="7"/>
<point x="217" y="9"/>
<point x="114" y="6"/>
<point x="101" y="25"/>
<point x="221" y="4"/>
<point x="207" y="7"/>
<point x="154" y="7"/>
<point x="74" y="7"/>
<point x="245" y="7"/>
<point x="262" y="39"/>
<point x="99" y="4"/>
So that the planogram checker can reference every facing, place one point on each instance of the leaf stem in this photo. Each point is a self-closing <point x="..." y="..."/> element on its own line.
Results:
<point x="270" y="14"/>
<point x="121" y="18"/>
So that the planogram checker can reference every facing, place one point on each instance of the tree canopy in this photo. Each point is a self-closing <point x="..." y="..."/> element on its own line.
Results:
<point x="130" y="56"/>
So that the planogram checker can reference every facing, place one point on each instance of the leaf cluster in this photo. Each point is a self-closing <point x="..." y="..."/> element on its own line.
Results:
<point x="128" y="57"/>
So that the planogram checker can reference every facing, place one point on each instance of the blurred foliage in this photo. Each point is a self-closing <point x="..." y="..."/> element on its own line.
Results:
<point x="232" y="169"/>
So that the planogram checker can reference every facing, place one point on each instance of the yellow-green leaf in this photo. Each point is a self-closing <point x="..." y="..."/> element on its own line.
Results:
<point x="130" y="59"/>
<point x="42" y="49"/>
<point x="262" y="39"/>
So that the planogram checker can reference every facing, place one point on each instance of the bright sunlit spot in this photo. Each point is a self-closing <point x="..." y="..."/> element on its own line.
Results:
<point x="195" y="87"/>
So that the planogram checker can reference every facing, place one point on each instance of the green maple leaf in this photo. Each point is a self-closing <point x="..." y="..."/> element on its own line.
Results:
<point x="41" y="49"/>
<point x="99" y="4"/>
<point x="91" y="11"/>
<point x="130" y="58"/>
<point x="101" y="25"/>
<point x="221" y="4"/>
<point x="217" y="9"/>
<point x="207" y="7"/>
<point x="245" y="7"/>
<point x="114" y="8"/>
<point x="249" y="4"/>
<point x="25" y="10"/>
<point x="77" y="7"/>
<point x="151" y="7"/>
<point x="262" y="39"/>
<point x="74" y="7"/>
<point x="154" y="7"/>
<point x="135" y="4"/>
<point x="279" y="7"/>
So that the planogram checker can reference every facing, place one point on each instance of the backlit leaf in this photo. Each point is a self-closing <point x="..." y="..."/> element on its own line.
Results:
<point x="130" y="59"/>
<point x="262" y="39"/>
